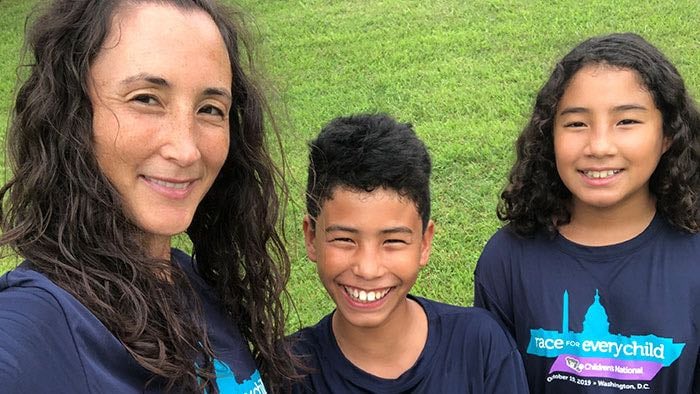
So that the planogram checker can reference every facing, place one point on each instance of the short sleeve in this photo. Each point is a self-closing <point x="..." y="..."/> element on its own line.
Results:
<point x="493" y="279"/>
<point x="37" y="352"/>
<point x="508" y="376"/>
<point x="501" y="364"/>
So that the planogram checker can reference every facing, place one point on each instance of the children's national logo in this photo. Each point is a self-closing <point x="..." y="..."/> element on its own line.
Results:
<point x="596" y="353"/>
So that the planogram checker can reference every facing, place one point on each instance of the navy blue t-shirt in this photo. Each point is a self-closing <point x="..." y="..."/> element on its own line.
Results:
<point x="466" y="351"/>
<point x="610" y="319"/>
<point x="50" y="343"/>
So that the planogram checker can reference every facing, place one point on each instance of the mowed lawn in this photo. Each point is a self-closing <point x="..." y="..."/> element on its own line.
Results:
<point x="464" y="73"/>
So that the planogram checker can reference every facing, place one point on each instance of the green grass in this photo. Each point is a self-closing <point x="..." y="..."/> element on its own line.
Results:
<point x="463" y="72"/>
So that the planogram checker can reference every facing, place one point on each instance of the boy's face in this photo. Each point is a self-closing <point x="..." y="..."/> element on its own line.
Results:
<point x="368" y="249"/>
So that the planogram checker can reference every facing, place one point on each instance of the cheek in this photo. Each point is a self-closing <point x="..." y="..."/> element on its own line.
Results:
<point x="215" y="150"/>
<point x="564" y="155"/>
<point x="559" y="146"/>
<point x="107" y="151"/>
<point x="120" y="136"/>
<point x="404" y="262"/>
<point x="332" y="261"/>
<point x="104" y="126"/>
<point x="644" y="148"/>
<point x="325" y="272"/>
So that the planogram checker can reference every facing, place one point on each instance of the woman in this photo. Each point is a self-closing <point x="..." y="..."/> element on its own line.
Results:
<point x="138" y="121"/>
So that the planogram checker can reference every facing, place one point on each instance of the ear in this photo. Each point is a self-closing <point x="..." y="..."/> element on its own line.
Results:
<point x="309" y="237"/>
<point x="666" y="144"/>
<point x="427" y="243"/>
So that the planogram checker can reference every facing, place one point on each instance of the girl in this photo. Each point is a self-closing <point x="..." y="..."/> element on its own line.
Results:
<point x="596" y="273"/>
<point x="139" y="120"/>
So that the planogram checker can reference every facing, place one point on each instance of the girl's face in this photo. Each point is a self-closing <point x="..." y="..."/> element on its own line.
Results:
<point x="608" y="139"/>
<point x="161" y="94"/>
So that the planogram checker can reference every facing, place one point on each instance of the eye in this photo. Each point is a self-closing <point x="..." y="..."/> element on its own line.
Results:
<point x="575" y="124"/>
<point x="342" y="240"/>
<point x="625" y="122"/>
<point x="145" y="99"/>
<point x="212" y="110"/>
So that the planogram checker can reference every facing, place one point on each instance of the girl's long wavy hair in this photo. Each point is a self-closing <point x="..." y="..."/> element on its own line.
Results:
<point x="62" y="214"/>
<point x="535" y="199"/>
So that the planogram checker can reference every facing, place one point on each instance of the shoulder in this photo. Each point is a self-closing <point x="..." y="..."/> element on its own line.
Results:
<point x="674" y="247"/>
<point x="471" y="335"/>
<point x="312" y="340"/>
<point x="504" y="236"/>
<point x="500" y="245"/>
<point x="312" y="346"/>
<point x="506" y="241"/>
<point x="36" y="343"/>
<point x="476" y="324"/>
<point x="26" y="296"/>
<point x="506" y="250"/>
<point x="670" y="234"/>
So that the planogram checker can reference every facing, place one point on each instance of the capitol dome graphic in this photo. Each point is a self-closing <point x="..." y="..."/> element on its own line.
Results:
<point x="596" y="320"/>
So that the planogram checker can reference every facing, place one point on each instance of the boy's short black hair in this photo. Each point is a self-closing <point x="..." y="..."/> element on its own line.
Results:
<point x="365" y="152"/>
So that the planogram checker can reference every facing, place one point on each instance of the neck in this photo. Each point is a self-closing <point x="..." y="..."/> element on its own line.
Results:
<point x="387" y="350"/>
<point x="158" y="247"/>
<point x="607" y="226"/>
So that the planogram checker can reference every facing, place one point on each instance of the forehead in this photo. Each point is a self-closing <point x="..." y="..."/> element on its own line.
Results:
<point x="359" y="206"/>
<point x="148" y="30"/>
<point x="604" y="87"/>
<point x="605" y="77"/>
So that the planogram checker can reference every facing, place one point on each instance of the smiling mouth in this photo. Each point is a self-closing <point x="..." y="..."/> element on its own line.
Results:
<point x="366" y="296"/>
<point x="600" y="174"/>
<point x="171" y="185"/>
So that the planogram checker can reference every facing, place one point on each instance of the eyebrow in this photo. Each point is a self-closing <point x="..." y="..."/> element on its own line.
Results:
<point x="390" y="230"/>
<point x="619" y="108"/>
<point x="146" y="77"/>
<point x="336" y="227"/>
<point x="158" y="81"/>
<point x="399" y="229"/>
<point x="218" y="92"/>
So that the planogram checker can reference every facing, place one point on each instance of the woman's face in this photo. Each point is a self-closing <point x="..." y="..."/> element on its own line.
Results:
<point x="161" y="94"/>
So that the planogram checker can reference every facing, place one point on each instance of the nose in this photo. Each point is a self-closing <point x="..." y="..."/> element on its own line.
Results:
<point x="601" y="142"/>
<point x="368" y="264"/>
<point x="179" y="143"/>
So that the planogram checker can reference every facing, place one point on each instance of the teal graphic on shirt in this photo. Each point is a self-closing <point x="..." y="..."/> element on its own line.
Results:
<point x="227" y="383"/>
<point x="595" y="352"/>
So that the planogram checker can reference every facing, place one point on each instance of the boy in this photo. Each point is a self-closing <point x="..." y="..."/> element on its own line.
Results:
<point x="369" y="231"/>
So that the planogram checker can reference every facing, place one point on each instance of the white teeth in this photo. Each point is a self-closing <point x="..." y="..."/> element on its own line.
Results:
<point x="600" y="174"/>
<point x="366" y="296"/>
<point x="171" y="185"/>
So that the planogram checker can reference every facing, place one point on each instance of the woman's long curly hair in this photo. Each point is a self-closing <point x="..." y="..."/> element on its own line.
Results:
<point x="535" y="198"/>
<point x="61" y="213"/>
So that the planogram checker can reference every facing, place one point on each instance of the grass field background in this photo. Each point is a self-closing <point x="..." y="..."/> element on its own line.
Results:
<point x="464" y="73"/>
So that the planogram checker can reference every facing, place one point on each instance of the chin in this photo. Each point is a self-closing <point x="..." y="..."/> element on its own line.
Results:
<point x="601" y="204"/>
<point x="166" y="228"/>
<point x="364" y="321"/>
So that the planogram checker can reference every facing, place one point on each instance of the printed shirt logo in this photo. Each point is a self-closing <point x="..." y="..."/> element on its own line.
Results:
<point x="596" y="353"/>
<point x="228" y="384"/>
